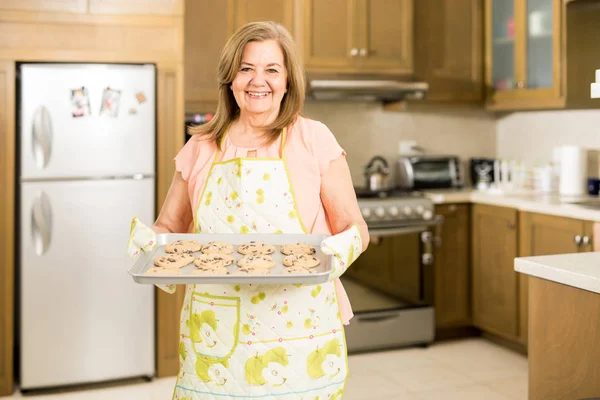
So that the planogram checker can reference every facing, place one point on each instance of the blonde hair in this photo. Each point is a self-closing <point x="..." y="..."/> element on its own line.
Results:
<point x="229" y="64"/>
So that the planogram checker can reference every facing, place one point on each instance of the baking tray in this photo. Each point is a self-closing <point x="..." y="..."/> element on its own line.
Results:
<point x="319" y="274"/>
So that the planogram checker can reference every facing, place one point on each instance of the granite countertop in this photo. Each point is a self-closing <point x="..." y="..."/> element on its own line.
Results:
<point x="579" y="270"/>
<point x="551" y="204"/>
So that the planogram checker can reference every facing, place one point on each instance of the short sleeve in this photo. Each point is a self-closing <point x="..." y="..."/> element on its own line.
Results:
<point x="194" y="153"/>
<point x="326" y="147"/>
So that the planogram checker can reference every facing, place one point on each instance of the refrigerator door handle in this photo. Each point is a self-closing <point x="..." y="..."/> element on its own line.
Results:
<point x="41" y="223"/>
<point x="41" y="132"/>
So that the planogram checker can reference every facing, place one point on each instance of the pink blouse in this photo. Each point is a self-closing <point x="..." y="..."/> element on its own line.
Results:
<point x="309" y="148"/>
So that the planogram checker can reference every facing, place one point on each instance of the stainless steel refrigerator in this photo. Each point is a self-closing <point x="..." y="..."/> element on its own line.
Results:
<point x="86" y="136"/>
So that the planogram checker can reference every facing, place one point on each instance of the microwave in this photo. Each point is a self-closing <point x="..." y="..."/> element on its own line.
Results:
<point x="429" y="172"/>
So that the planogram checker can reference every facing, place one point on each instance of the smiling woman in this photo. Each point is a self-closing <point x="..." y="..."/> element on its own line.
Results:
<point x="260" y="167"/>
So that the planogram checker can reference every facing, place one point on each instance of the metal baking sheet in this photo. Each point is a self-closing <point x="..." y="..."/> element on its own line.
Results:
<point x="318" y="274"/>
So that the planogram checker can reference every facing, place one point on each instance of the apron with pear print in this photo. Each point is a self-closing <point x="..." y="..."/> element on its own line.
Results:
<point x="258" y="341"/>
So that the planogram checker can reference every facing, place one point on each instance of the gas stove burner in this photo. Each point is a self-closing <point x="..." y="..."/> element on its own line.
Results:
<point x="364" y="193"/>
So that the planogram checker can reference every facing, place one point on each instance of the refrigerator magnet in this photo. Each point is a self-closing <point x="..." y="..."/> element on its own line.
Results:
<point x="132" y="111"/>
<point x="80" y="102"/>
<point x="140" y="97"/>
<point x="110" y="103"/>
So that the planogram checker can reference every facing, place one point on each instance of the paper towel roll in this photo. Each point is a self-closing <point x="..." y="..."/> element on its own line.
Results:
<point x="573" y="171"/>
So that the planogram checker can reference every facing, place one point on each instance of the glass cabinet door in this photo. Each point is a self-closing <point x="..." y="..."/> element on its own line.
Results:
<point x="503" y="44"/>
<point x="540" y="35"/>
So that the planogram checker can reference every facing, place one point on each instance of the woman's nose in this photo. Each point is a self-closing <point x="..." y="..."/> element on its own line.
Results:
<point x="258" y="78"/>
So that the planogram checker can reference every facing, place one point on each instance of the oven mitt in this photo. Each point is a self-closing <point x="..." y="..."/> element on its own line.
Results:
<point x="345" y="247"/>
<point x="142" y="238"/>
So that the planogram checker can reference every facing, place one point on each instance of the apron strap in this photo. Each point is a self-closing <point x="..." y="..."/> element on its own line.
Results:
<point x="281" y="150"/>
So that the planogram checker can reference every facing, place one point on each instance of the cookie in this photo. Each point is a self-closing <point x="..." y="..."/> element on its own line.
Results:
<point x="163" y="271"/>
<point x="213" y="260"/>
<point x="183" y="246"/>
<point x="210" y="271"/>
<point x="174" y="260"/>
<point x="301" y="260"/>
<point x="217" y="247"/>
<point x="256" y="261"/>
<point x="296" y="270"/>
<point x="256" y="248"/>
<point x="298" y="248"/>
<point x="252" y="271"/>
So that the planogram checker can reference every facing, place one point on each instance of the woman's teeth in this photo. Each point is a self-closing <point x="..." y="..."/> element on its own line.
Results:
<point x="258" y="94"/>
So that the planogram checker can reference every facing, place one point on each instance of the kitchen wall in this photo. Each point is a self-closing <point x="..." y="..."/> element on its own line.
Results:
<point x="365" y="130"/>
<point x="531" y="136"/>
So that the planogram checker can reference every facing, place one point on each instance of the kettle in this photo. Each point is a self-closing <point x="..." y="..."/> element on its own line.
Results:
<point x="377" y="174"/>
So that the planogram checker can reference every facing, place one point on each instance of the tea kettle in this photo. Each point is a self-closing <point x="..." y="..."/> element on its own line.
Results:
<point x="377" y="174"/>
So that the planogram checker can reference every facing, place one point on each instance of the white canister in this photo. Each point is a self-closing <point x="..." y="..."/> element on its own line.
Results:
<point x="573" y="171"/>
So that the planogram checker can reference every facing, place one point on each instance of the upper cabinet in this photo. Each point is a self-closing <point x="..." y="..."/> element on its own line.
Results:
<point x="244" y="11"/>
<point x="524" y="54"/>
<point x="449" y="49"/>
<point x="70" y="6"/>
<point x="138" y="7"/>
<point x="358" y="36"/>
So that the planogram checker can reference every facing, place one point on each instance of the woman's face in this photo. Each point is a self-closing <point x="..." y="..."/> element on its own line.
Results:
<point x="260" y="83"/>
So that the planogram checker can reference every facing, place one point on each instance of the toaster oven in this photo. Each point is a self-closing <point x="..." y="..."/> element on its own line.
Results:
<point x="429" y="172"/>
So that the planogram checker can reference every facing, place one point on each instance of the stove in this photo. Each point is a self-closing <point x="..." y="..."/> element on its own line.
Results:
<point x="394" y="208"/>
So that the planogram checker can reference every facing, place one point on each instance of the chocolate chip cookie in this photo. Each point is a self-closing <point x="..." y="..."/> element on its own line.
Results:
<point x="256" y="261"/>
<point x="183" y="246"/>
<point x="213" y="260"/>
<point x="173" y="261"/>
<point x="301" y="260"/>
<point x="256" y="248"/>
<point x="296" y="270"/>
<point x="298" y="248"/>
<point x="210" y="271"/>
<point x="252" y="271"/>
<point x="217" y="247"/>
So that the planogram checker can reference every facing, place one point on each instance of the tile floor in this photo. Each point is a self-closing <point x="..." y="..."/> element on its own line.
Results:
<point x="459" y="370"/>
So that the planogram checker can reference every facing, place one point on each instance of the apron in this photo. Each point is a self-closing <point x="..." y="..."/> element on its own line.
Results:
<point x="258" y="341"/>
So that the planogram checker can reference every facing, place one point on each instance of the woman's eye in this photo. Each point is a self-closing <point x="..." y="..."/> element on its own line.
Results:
<point x="245" y="69"/>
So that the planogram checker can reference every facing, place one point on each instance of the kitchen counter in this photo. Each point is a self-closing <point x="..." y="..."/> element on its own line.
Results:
<point x="579" y="270"/>
<point x="551" y="204"/>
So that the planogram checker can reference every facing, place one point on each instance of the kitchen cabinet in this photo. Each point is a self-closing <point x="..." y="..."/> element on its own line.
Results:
<point x="116" y="7"/>
<point x="542" y="235"/>
<point x="448" y="49"/>
<point x="358" y="36"/>
<point x="452" y="298"/>
<point x="7" y="224"/>
<point x="525" y="54"/>
<point x="495" y="283"/>
<point x="208" y="26"/>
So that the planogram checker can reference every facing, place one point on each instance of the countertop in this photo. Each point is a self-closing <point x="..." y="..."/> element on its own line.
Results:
<point x="579" y="270"/>
<point x="551" y="204"/>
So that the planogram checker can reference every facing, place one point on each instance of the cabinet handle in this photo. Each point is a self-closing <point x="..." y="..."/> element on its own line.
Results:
<point x="364" y="52"/>
<point x="585" y="240"/>
<point x="354" y="52"/>
<point x="578" y="240"/>
<point x="520" y="85"/>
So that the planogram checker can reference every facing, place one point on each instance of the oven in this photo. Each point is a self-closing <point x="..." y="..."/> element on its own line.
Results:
<point x="390" y="285"/>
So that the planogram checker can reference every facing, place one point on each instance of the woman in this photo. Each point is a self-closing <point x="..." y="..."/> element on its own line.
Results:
<point x="259" y="167"/>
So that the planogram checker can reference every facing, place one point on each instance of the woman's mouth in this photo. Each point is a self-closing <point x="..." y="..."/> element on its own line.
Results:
<point x="258" y="95"/>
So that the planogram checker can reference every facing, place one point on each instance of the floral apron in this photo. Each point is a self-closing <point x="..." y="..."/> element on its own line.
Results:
<point x="258" y="341"/>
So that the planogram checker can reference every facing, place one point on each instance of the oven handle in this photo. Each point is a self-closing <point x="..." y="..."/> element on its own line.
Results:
<point x="404" y="230"/>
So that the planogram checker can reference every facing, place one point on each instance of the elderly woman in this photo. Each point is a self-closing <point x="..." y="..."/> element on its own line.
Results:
<point x="260" y="167"/>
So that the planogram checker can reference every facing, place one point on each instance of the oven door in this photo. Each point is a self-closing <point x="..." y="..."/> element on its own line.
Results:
<point x="390" y="287"/>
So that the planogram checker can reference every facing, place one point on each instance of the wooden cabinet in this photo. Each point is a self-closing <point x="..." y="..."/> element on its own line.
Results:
<point x="208" y="26"/>
<point x="525" y="54"/>
<point x="542" y="235"/>
<point x="452" y="276"/>
<point x="70" y="6"/>
<point x="7" y="224"/>
<point x="495" y="286"/>
<point x="358" y="36"/>
<point x="116" y="7"/>
<point x="449" y="49"/>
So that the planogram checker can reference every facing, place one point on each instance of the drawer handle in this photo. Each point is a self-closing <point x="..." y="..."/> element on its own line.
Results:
<point x="578" y="240"/>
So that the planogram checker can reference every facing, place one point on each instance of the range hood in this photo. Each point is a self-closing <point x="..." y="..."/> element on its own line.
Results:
<point x="359" y="88"/>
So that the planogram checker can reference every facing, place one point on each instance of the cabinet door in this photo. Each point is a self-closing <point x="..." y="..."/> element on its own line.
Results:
<point x="70" y="6"/>
<point x="386" y="35"/>
<point x="280" y="11"/>
<point x="452" y="277"/>
<point x="502" y="44"/>
<point x="173" y="7"/>
<point x="542" y="44"/>
<point x="448" y="49"/>
<point x="330" y="35"/>
<point x="202" y="54"/>
<point x="494" y="278"/>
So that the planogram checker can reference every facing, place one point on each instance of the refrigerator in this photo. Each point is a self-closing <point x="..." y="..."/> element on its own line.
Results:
<point x="86" y="137"/>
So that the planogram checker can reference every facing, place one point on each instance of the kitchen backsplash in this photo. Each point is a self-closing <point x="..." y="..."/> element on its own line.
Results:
<point x="531" y="136"/>
<point x="365" y="130"/>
